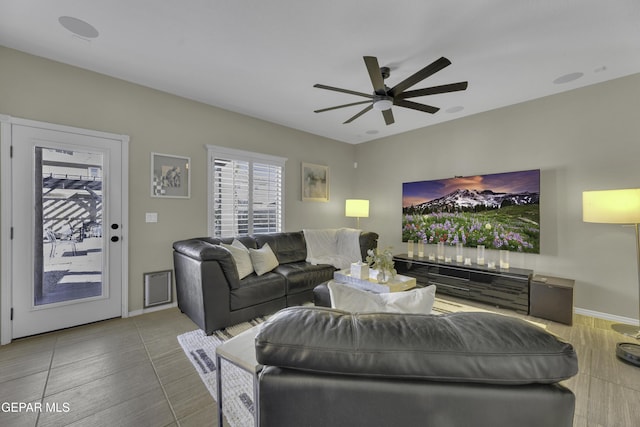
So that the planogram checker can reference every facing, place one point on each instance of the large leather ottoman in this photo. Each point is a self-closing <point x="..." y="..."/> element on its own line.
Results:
<point x="325" y="367"/>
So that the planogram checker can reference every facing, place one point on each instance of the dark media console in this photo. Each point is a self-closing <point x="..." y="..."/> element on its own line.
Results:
<point x="507" y="288"/>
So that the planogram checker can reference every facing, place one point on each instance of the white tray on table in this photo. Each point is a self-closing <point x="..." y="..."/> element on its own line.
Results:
<point x="398" y="283"/>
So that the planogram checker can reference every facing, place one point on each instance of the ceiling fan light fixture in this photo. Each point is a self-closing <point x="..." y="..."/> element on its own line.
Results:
<point x="382" y="102"/>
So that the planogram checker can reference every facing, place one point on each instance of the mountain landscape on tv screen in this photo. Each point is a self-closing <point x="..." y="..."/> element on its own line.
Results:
<point x="474" y="200"/>
<point x="499" y="211"/>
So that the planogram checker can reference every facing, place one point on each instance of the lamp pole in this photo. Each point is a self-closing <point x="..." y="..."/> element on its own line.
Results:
<point x="630" y="330"/>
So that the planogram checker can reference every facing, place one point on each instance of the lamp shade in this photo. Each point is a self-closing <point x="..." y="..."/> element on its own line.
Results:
<point x="356" y="208"/>
<point x="611" y="206"/>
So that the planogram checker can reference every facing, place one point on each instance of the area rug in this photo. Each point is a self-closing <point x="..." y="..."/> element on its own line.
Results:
<point x="237" y="388"/>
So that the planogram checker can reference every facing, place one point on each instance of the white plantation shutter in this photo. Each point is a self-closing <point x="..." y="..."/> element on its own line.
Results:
<point x="245" y="192"/>
<point x="267" y="198"/>
<point x="231" y="197"/>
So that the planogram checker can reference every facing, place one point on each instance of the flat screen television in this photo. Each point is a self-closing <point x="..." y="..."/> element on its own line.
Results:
<point x="499" y="211"/>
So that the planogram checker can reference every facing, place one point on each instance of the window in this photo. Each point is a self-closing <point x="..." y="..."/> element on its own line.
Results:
<point x="245" y="192"/>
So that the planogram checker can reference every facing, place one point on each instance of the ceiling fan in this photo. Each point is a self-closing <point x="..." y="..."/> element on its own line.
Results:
<point x="383" y="97"/>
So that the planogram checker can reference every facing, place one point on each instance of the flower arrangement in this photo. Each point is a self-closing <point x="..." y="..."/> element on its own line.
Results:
<point x="518" y="234"/>
<point x="382" y="262"/>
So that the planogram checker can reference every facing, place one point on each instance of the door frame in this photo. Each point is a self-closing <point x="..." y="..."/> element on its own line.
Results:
<point x="6" y="220"/>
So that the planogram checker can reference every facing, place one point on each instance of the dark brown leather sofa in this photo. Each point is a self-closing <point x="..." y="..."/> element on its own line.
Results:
<point x="325" y="367"/>
<point x="211" y="293"/>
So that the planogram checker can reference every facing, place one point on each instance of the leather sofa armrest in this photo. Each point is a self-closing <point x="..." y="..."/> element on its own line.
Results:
<point x="457" y="347"/>
<point x="368" y="240"/>
<point x="205" y="251"/>
<point x="201" y="250"/>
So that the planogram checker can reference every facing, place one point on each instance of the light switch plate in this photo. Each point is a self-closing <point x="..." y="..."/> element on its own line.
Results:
<point x="151" y="217"/>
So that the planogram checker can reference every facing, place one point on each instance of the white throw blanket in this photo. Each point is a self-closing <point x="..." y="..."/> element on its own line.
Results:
<point x="334" y="246"/>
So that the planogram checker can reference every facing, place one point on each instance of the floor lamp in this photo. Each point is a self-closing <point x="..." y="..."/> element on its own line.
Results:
<point x="616" y="207"/>
<point x="357" y="208"/>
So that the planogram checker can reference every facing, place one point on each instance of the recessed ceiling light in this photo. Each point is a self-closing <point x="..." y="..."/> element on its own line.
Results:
<point x="455" y="109"/>
<point x="78" y="27"/>
<point x="372" y="132"/>
<point x="568" y="78"/>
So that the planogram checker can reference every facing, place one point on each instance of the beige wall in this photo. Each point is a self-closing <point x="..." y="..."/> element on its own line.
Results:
<point x="39" y="89"/>
<point x="585" y="139"/>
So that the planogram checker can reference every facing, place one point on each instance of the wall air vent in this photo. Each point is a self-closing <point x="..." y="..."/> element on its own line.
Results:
<point x="157" y="288"/>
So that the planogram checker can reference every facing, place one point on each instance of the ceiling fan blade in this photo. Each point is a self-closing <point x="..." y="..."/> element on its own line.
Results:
<point x="453" y="87"/>
<point x="427" y="71"/>
<point x="341" y="106"/>
<point x="359" y="114"/>
<point x="388" y="117"/>
<point x="337" y="89"/>
<point x="374" y="74"/>
<point x="415" y="106"/>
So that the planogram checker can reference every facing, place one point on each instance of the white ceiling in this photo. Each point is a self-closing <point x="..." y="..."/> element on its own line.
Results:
<point x="262" y="57"/>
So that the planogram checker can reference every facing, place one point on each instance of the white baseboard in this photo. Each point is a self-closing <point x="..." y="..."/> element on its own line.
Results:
<point x="605" y="316"/>
<point x="152" y="309"/>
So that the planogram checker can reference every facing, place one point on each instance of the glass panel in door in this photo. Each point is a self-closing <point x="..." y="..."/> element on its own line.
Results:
<point x="69" y="246"/>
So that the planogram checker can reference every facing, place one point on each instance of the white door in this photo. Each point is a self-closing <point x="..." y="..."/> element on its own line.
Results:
<point x="67" y="249"/>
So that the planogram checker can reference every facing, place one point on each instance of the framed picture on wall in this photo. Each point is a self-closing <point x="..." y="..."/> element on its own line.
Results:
<point x="315" y="183"/>
<point x="170" y="176"/>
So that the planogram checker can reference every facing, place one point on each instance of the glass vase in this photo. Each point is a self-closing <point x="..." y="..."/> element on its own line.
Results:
<point x="480" y="254"/>
<point x="440" y="251"/>
<point x="504" y="259"/>
<point x="383" y="276"/>
<point x="459" y="252"/>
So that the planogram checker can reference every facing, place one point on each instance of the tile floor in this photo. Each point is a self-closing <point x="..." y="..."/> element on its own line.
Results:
<point x="132" y="372"/>
<point x="126" y="372"/>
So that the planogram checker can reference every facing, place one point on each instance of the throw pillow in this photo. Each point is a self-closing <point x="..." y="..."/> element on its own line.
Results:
<point x="419" y="300"/>
<point x="241" y="256"/>
<point x="347" y="298"/>
<point x="263" y="259"/>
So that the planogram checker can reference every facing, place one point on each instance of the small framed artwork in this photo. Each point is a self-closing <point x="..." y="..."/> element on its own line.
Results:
<point x="315" y="183"/>
<point x="170" y="176"/>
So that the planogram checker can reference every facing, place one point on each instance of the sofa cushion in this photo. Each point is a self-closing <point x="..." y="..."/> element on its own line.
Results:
<point x="348" y="298"/>
<point x="257" y="290"/>
<point x="263" y="259"/>
<point x="302" y="276"/>
<point x="241" y="256"/>
<point x="288" y="247"/>
<point x="460" y="347"/>
<point x="247" y="241"/>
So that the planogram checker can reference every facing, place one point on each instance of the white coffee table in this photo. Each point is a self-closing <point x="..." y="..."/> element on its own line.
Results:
<point x="241" y="351"/>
